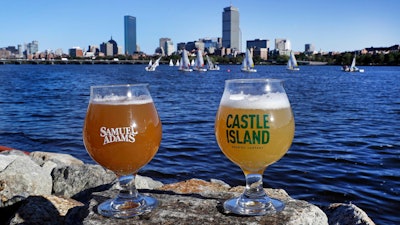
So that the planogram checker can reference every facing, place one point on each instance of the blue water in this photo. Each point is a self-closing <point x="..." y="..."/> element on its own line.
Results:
<point x="346" y="146"/>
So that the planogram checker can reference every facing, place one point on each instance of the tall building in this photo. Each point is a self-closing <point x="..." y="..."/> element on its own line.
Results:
<point x="282" y="46"/>
<point x="75" y="52"/>
<point x="309" y="48"/>
<point x="130" y="34"/>
<point x="211" y="44"/>
<point x="110" y="48"/>
<point x="32" y="47"/>
<point x="231" y="34"/>
<point x="259" y="47"/>
<point x="167" y="46"/>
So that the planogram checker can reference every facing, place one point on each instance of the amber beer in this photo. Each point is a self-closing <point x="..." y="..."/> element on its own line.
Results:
<point x="254" y="135"/>
<point x="123" y="136"/>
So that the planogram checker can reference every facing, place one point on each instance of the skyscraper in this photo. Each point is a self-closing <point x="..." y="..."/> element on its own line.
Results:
<point x="231" y="34"/>
<point x="32" y="47"/>
<point x="167" y="45"/>
<point x="130" y="34"/>
<point x="282" y="46"/>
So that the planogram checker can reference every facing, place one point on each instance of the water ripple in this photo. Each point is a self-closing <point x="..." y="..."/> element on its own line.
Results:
<point x="346" y="146"/>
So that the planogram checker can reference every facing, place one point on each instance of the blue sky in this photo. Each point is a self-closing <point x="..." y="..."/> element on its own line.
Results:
<point x="335" y="25"/>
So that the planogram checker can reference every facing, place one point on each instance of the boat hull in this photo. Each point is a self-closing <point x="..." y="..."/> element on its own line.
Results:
<point x="200" y="69"/>
<point x="248" y="70"/>
<point x="186" y="70"/>
<point x="293" y="69"/>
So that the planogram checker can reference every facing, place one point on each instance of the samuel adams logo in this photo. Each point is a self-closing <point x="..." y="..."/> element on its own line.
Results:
<point x="118" y="134"/>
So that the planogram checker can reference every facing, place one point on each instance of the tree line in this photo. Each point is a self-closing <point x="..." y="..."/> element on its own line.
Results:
<point x="389" y="59"/>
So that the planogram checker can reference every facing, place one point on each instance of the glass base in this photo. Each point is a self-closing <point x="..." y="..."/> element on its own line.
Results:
<point x="256" y="207"/>
<point x="127" y="208"/>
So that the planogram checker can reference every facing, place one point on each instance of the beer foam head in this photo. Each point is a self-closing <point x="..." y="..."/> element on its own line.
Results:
<point x="122" y="100"/>
<point x="266" y="101"/>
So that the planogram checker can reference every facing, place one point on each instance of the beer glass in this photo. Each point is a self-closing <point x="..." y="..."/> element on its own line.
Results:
<point x="254" y="128"/>
<point x="122" y="132"/>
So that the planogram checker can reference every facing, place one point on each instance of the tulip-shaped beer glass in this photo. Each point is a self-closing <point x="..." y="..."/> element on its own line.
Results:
<point x="254" y="128"/>
<point x="122" y="132"/>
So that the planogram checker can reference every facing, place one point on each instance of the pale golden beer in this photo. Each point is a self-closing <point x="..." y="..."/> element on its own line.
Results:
<point x="123" y="136"/>
<point x="254" y="128"/>
<point x="254" y="138"/>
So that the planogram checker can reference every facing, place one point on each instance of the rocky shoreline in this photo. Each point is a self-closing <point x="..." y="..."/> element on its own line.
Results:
<point x="51" y="188"/>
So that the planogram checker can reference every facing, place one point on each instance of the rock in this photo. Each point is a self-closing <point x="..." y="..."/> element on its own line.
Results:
<point x="71" y="180"/>
<point x="21" y="178"/>
<point x="343" y="214"/>
<point x="193" y="203"/>
<point x="195" y="186"/>
<point x="57" y="189"/>
<point x="60" y="159"/>
<point x="6" y="160"/>
<point x="10" y="151"/>
<point x="142" y="182"/>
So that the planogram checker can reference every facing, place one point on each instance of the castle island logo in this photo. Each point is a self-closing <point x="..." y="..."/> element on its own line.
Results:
<point x="118" y="134"/>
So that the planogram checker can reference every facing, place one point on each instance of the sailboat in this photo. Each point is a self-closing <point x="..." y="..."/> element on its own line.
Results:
<point x="177" y="63"/>
<point x="185" y="64"/>
<point x="292" y="62"/>
<point x="153" y="66"/>
<point x="211" y="65"/>
<point x="199" y="63"/>
<point x="171" y="63"/>
<point x="352" y="67"/>
<point x="248" y="64"/>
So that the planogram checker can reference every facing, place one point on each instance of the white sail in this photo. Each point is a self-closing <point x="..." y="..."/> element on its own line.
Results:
<point x="292" y="62"/>
<point x="353" y="67"/>
<point x="199" y="63"/>
<point x="353" y="63"/>
<point x="153" y="66"/>
<point x="247" y="63"/>
<point x="211" y="65"/>
<point x="185" y="63"/>
<point x="171" y="63"/>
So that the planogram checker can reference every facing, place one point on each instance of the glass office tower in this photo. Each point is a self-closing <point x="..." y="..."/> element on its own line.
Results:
<point x="130" y="34"/>
<point x="231" y="34"/>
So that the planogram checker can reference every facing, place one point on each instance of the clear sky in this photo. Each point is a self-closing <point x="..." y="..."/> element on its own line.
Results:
<point x="330" y="25"/>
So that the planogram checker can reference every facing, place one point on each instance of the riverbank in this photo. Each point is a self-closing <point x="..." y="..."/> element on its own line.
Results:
<point x="52" y="188"/>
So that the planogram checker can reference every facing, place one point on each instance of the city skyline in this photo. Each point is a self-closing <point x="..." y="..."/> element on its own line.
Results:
<point x="329" y="26"/>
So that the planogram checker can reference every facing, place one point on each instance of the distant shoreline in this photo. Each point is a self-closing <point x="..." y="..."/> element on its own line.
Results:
<point x="139" y="62"/>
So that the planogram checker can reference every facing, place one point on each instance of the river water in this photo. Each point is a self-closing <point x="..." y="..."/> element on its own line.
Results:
<point x="346" y="146"/>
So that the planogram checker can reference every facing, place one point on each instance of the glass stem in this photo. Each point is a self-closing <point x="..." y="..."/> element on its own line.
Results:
<point x="128" y="189"/>
<point x="254" y="187"/>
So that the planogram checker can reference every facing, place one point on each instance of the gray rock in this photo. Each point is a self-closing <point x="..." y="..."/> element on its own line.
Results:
<point x="5" y="160"/>
<point x="142" y="182"/>
<point x="58" y="158"/>
<point x="71" y="180"/>
<point x="43" y="186"/>
<point x="343" y="214"/>
<point x="21" y="178"/>
<point x="205" y="209"/>
<point x="14" y="152"/>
